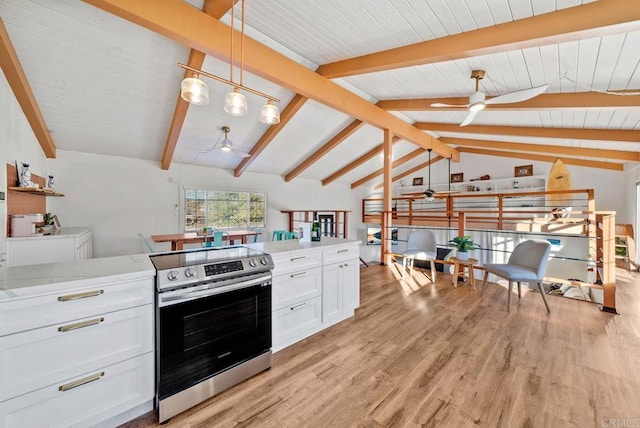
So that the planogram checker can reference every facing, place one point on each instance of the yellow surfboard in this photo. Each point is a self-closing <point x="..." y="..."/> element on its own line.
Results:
<point x="559" y="179"/>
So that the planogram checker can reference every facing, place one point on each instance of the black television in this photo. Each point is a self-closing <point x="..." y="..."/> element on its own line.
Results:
<point x="374" y="235"/>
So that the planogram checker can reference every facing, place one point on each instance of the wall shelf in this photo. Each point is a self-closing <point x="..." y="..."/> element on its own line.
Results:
<point x="38" y="191"/>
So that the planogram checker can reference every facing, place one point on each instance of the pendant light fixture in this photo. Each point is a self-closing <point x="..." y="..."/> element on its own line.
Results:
<point x="195" y="91"/>
<point x="429" y="192"/>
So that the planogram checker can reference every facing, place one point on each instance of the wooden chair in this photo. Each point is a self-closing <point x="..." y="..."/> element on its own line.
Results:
<point x="527" y="263"/>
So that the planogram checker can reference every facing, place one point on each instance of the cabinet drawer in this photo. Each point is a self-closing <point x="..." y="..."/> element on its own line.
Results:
<point x="115" y="389"/>
<point x="41" y="357"/>
<point x="26" y="314"/>
<point x="296" y="286"/>
<point x="296" y="262"/>
<point x="338" y="254"/>
<point x="295" y="322"/>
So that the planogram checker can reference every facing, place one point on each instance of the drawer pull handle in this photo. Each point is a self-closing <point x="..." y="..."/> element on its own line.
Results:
<point x="80" y="295"/>
<point x="80" y="382"/>
<point x="298" y="258"/>
<point x="343" y="251"/>
<point x="82" y="324"/>
<point x="293" y="275"/>
<point x="299" y="305"/>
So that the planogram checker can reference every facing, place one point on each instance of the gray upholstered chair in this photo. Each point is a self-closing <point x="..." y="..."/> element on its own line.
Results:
<point x="527" y="263"/>
<point x="421" y="245"/>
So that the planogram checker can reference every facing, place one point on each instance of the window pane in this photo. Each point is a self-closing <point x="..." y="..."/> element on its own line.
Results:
<point x="221" y="209"/>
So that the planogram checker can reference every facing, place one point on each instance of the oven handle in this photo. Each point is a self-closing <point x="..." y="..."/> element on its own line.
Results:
<point x="169" y="298"/>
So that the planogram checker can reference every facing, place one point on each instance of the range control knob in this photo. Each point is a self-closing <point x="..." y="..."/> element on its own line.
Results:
<point x="252" y="263"/>
<point x="173" y="275"/>
<point x="263" y="261"/>
<point x="189" y="272"/>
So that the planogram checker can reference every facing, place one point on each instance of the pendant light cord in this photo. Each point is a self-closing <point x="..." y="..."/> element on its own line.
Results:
<point x="242" y="47"/>
<point x="231" y="49"/>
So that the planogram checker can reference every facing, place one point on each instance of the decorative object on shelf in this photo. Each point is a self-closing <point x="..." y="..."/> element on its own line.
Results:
<point x="48" y="223"/>
<point x="417" y="181"/>
<point x="25" y="180"/>
<point x="478" y="101"/>
<point x="523" y="171"/>
<point x="51" y="184"/>
<point x="463" y="244"/>
<point x="457" y="178"/>
<point x="195" y="91"/>
<point x="561" y="212"/>
<point x="484" y="177"/>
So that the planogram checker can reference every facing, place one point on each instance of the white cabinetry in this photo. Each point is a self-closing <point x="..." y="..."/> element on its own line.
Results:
<point x="312" y="290"/>
<point x="340" y="284"/>
<point x="65" y="244"/>
<point x="76" y="358"/>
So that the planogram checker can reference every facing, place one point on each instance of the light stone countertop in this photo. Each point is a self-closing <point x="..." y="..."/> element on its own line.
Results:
<point x="30" y="280"/>
<point x="62" y="232"/>
<point x="278" y="248"/>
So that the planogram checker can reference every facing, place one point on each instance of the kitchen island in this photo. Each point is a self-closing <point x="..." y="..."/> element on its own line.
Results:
<point x="76" y="342"/>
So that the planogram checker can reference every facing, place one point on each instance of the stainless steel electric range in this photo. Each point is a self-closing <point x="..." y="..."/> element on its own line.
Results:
<point x="213" y="323"/>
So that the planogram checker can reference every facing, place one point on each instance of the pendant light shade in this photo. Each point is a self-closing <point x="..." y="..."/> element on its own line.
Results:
<point x="235" y="103"/>
<point x="270" y="114"/>
<point x="194" y="91"/>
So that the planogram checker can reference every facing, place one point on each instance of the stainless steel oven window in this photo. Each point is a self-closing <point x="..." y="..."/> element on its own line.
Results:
<point x="222" y="209"/>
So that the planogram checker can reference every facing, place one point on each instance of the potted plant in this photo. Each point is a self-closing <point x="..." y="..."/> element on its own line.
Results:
<point x="463" y="244"/>
<point x="47" y="223"/>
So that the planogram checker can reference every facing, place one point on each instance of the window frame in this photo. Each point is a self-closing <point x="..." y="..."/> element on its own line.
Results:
<point x="208" y="190"/>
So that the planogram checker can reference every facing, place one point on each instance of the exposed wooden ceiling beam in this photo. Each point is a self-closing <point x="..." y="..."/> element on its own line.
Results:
<point x="287" y="113"/>
<point x="411" y="171"/>
<point x="326" y="148"/>
<point x="10" y="64"/>
<point x="580" y="22"/>
<point x="546" y="148"/>
<point x="543" y="158"/>
<point x="580" y="100"/>
<point x="530" y="131"/>
<point x="184" y="24"/>
<point x="215" y="9"/>
<point x="396" y="163"/>
<point x="356" y="163"/>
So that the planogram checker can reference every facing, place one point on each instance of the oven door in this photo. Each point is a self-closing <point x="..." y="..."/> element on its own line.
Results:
<point x="203" y="331"/>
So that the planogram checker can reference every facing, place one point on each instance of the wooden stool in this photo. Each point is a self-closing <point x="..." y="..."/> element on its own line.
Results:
<point x="457" y="264"/>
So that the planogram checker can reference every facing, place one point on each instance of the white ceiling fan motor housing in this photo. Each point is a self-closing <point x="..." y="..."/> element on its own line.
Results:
<point x="476" y="101"/>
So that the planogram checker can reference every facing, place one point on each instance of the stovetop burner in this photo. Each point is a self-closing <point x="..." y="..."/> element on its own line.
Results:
<point x="192" y="266"/>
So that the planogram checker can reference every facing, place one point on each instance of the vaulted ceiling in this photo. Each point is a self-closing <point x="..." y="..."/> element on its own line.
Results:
<point x="104" y="76"/>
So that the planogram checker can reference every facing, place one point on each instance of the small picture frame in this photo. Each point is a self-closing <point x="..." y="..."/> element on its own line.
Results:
<point x="523" y="171"/>
<point x="56" y="222"/>
<point x="417" y="181"/>
<point x="457" y="178"/>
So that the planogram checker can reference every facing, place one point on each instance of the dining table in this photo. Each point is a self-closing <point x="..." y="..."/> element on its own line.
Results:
<point x="179" y="239"/>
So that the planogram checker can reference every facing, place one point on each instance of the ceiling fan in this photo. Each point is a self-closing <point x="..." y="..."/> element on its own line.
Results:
<point x="478" y="101"/>
<point x="226" y="146"/>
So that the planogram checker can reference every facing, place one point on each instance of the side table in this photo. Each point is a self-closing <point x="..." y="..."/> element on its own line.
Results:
<point x="459" y="267"/>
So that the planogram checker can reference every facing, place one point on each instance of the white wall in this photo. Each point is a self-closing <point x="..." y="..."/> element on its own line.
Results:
<point x="17" y="143"/>
<point x="120" y="197"/>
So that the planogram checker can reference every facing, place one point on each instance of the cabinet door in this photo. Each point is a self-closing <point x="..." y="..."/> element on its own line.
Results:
<point x="331" y="292"/>
<point x="350" y="278"/>
<point x="295" y="322"/>
<point x="84" y="400"/>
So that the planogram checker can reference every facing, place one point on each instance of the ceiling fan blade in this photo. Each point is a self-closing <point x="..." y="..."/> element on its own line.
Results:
<point x="243" y="154"/>
<point x="449" y="105"/>
<point x="518" y="96"/>
<point x="469" y="118"/>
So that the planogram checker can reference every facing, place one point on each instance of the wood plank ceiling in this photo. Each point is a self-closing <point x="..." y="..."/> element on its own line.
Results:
<point x="343" y="70"/>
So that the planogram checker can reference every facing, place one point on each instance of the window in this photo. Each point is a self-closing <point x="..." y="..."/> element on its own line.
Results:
<point x="222" y="209"/>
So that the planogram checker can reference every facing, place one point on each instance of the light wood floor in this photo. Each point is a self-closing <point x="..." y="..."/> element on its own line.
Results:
<point x="418" y="354"/>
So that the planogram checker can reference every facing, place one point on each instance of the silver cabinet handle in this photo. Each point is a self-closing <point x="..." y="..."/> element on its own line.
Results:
<point x="79" y="382"/>
<point x="293" y="275"/>
<point x="299" y="305"/>
<point x="80" y="295"/>
<point x="78" y="325"/>
<point x="343" y="251"/>
<point x="297" y="258"/>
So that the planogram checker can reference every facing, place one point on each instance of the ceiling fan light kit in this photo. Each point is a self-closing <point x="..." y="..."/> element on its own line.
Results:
<point x="227" y="145"/>
<point x="195" y="91"/>
<point x="476" y="101"/>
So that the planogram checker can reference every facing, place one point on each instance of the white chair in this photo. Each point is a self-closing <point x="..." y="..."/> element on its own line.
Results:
<point x="147" y="246"/>
<point x="421" y="245"/>
<point x="527" y="263"/>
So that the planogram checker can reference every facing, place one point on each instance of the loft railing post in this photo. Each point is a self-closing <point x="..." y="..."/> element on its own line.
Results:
<point x="500" y="211"/>
<point x="461" y="223"/>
